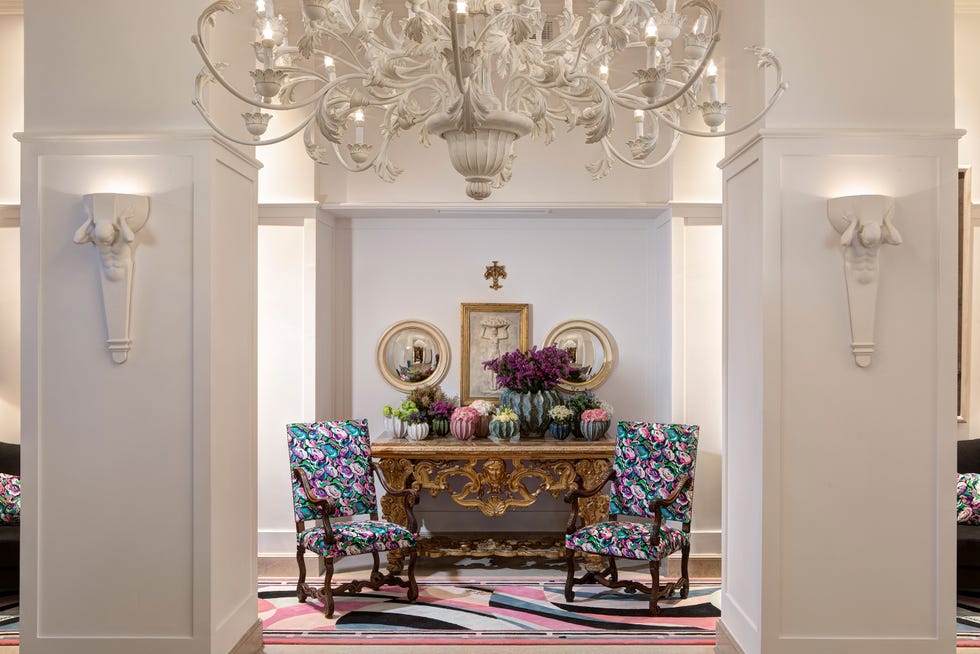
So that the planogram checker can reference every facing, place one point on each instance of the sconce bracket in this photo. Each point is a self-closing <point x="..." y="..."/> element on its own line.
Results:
<point x="864" y="223"/>
<point x="111" y="223"/>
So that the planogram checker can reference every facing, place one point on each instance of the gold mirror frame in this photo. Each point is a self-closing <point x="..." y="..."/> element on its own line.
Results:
<point x="430" y="330"/>
<point x="608" y="353"/>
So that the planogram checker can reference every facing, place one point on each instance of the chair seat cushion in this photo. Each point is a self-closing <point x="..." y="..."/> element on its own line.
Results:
<point x="9" y="499"/>
<point x="968" y="498"/>
<point x="357" y="538"/>
<point x="630" y="540"/>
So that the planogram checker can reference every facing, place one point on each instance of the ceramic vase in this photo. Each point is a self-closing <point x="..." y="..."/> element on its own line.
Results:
<point x="440" y="426"/>
<point x="593" y="430"/>
<point x="531" y="409"/>
<point x="483" y="427"/>
<point x="559" y="432"/>
<point x="395" y="427"/>
<point x="505" y="431"/>
<point x="463" y="430"/>
<point x="417" y="432"/>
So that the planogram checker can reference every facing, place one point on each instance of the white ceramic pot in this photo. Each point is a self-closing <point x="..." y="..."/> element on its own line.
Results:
<point x="395" y="427"/>
<point x="417" y="432"/>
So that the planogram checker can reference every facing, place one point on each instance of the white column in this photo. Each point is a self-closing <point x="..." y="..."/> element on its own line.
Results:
<point x="140" y="478"/>
<point x="838" y="515"/>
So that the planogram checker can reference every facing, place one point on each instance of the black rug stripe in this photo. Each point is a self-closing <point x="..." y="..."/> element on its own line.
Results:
<point x="703" y="610"/>
<point x="585" y="622"/>
<point x="389" y="619"/>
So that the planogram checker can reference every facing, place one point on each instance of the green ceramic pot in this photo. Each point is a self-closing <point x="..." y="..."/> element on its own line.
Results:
<point x="594" y="430"/>
<point x="504" y="431"/>
<point x="440" y="426"/>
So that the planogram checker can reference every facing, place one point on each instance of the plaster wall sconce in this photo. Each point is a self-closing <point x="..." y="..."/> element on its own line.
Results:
<point x="865" y="224"/>
<point x="112" y="220"/>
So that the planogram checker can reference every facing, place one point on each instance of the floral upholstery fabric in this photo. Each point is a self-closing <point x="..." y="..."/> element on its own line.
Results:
<point x="649" y="458"/>
<point x="336" y="458"/>
<point x="968" y="498"/>
<point x="357" y="538"/>
<point x="9" y="499"/>
<point x="630" y="540"/>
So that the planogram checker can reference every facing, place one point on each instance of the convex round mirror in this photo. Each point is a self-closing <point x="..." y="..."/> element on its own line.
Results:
<point x="413" y="353"/>
<point x="591" y="350"/>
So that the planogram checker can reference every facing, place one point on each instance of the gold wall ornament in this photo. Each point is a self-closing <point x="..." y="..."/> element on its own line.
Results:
<point x="495" y="271"/>
<point x="413" y="353"/>
<point x="592" y="350"/>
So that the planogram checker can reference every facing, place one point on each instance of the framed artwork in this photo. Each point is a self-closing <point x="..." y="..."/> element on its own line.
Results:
<point x="488" y="330"/>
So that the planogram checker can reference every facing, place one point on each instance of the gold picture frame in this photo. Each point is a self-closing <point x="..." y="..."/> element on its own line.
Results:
<point x="589" y="344"/>
<point x="487" y="330"/>
<point x="423" y="350"/>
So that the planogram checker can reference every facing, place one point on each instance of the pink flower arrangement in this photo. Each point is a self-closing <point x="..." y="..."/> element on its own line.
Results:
<point x="594" y="415"/>
<point x="467" y="414"/>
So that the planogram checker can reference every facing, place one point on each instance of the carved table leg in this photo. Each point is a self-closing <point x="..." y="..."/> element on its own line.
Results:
<point x="397" y="472"/>
<point x="593" y="509"/>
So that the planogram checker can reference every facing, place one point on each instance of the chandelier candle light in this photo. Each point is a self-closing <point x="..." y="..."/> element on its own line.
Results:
<point x="481" y="75"/>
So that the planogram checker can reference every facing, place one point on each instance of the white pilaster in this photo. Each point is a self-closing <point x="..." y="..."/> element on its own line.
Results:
<point x="837" y="478"/>
<point x="139" y="479"/>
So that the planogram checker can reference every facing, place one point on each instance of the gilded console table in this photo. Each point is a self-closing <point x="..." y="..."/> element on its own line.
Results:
<point x="476" y="475"/>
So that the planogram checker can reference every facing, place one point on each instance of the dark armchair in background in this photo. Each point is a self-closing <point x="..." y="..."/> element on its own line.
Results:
<point x="968" y="536"/>
<point x="9" y="534"/>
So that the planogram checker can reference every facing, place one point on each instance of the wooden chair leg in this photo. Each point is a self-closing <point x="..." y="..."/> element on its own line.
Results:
<point x="327" y="590"/>
<point x="570" y="579"/>
<point x="375" y="574"/>
<point x="685" y="579"/>
<point x="301" y="584"/>
<point x="613" y="571"/>
<point x="413" y="587"/>
<point x="654" y="587"/>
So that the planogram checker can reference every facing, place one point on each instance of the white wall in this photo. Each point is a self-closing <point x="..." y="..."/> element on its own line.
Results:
<point x="11" y="106"/>
<point x="9" y="324"/>
<point x="424" y="268"/>
<point x="696" y="369"/>
<point x="286" y="365"/>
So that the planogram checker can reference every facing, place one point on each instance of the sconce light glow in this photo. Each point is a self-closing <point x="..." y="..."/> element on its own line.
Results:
<point x="712" y="69"/>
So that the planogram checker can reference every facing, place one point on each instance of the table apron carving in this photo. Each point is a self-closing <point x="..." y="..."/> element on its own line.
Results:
<point x="493" y="489"/>
<point x="494" y="479"/>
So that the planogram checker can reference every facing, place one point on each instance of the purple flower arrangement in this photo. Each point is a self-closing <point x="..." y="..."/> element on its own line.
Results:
<point x="441" y="409"/>
<point x="530" y="371"/>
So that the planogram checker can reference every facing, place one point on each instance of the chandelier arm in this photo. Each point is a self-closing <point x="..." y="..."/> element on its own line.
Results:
<point x="611" y="150"/>
<point x="581" y="45"/>
<point x="336" y="37"/>
<point x="683" y="89"/>
<point x="255" y="142"/>
<point x="690" y="132"/>
<point x="216" y="75"/>
<point x="434" y="20"/>
<point x="457" y="57"/>
<point x="489" y="23"/>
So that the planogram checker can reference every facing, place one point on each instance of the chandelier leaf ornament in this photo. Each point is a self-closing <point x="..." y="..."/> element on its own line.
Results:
<point x="480" y="75"/>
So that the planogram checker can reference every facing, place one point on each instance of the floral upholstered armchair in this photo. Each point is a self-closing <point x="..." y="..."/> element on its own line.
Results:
<point x="333" y="477"/>
<point x="652" y="477"/>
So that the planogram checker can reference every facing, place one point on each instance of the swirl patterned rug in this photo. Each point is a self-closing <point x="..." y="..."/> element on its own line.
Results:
<point x="490" y="611"/>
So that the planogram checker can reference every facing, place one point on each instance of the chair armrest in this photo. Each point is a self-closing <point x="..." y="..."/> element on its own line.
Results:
<point x="409" y="495"/>
<point x="322" y="504"/>
<point x="573" y="496"/>
<point x="659" y="503"/>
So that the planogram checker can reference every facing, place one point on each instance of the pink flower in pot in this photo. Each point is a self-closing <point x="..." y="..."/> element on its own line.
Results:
<point x="463" y="423"/>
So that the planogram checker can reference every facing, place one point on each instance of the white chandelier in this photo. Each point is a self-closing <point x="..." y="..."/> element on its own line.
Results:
<point x="482" y="74"/>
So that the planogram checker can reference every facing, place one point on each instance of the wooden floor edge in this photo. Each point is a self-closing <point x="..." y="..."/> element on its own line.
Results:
<point x="724" y="643"/>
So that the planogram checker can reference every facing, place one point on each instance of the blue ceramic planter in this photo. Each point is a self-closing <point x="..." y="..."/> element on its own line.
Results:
<point x="559" y="432"/>
<point x="531" y="408"/>
<point x="504" y="431"/>
<point x="593" y="431"/>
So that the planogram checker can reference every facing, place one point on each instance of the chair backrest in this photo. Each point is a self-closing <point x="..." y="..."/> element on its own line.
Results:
<point x="335" y="455"/>
<point x="649" y="458"/>
<point x="968" y="455"/>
